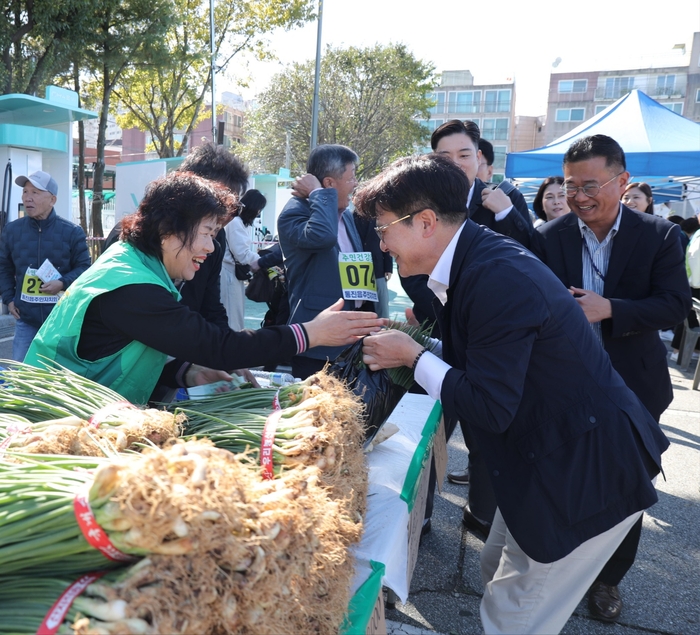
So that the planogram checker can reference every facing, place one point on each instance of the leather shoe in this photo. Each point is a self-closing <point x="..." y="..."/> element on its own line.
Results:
<point x="604" y="602"/>
<point x="460" y="477"/>
<point x="479" y="527"/>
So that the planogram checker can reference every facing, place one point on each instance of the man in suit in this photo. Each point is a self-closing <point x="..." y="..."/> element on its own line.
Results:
<point x="314" y="228"/>
<point x="571" y="468"/>
<point x="505" y="213"/>
<point x="627" y="273"/>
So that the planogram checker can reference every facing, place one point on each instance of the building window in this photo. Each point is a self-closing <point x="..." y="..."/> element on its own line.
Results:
<point x="676" y="107"/>
<point x="495" y="129"/>
<point x="464" y="102"/>
<point x="570" y="114"/>
<point x="497" y="100"/>
<point x="697" y="96"/>
<point x="573" y="85"/>
<point x="599" y="109"/>
<point x="439" y="99"/>
<point x="432" y="124"/>
<point x="665" y="84"/>
<point x="616" y="87"/>
<point x="499" y="158"/>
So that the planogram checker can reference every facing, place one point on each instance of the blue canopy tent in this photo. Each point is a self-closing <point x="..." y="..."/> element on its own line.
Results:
<point x="656" y="141"/>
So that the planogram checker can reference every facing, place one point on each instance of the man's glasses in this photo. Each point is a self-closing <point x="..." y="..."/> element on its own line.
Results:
<point x="591" y="190"/>
<point x="382" y="228"/>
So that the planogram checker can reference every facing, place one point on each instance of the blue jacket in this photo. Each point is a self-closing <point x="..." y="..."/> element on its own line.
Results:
<point x="570" y="449"/>
<point x="27" y="242"/>
<point x="308" y="232"/>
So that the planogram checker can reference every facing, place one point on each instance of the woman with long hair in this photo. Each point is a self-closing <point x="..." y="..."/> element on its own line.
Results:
<point x="238" y="250"/>
<point x="638" y="196"/>
<point x="550" y="201"/>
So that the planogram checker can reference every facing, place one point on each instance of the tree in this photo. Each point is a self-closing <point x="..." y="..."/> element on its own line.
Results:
<point x="371" y="100"/>
<point x="166" y="100"/>
<point x="37" y="38"/>
<point x="126" y="33"/>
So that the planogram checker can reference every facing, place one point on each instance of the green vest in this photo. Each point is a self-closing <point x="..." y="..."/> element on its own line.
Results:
<point x="132" y="371"/>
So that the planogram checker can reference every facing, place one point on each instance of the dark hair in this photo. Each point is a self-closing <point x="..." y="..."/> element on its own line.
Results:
<point x="486" y="148"/>
<point x="537" y="203"/>
<point x="455" y="126"/>
<point x="415" y="183"/>
<point x="690" y="225"/>
<point x="252" y="203"/>
<point x="175" y="205"/>
<point x="675" y="218"/>
<point x="597" y="145"/>
<point x="216" y="163"/>
<point x="645" y="188"/>
<point x="330" y="159"/>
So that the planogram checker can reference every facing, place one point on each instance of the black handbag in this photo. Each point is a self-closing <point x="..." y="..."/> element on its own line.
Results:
<point x="242" y="271"/>
<point x="260" y="288"/>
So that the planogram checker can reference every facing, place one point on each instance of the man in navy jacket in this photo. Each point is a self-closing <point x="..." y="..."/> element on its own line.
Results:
<point x="627" y="271"/>
<point x="26" y="244"/>
<point x="570" y="450"/>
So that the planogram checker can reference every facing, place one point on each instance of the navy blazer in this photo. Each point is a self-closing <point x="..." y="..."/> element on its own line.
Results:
<point x="570" y="448"/>
<point x="516" y="225"/>
<point x="647" y="286"/>
<point x="308" y="236"/>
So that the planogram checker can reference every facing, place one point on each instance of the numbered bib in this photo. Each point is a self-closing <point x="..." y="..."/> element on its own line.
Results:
<point x="30" y="289"/>
<point x="357" y="276"/>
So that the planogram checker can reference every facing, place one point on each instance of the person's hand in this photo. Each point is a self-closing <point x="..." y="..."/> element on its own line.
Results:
<point x="247" y="375"/>
<point x="595" y="307"/>
<point x="304" y="185"/>
<point x="495" y="200"/>
<point x="411" y="318"/>
<point x="254" y="266"/>
<point x="335" y="327"/>
<point x="197" y="375"/>
<point x="390" y="349"/>
<point x="52" y="288"/>
<point x="387" y="275"/>
<point x="14" y="311"/>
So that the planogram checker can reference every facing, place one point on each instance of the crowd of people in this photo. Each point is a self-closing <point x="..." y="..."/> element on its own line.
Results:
<point x="558" y="479"/>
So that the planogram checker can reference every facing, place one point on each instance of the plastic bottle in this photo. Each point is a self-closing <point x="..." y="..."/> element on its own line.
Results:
<point x="275" y="379"/>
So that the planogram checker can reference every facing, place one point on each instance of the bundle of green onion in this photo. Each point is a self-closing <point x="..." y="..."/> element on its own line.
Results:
<point x="55" y="411"/>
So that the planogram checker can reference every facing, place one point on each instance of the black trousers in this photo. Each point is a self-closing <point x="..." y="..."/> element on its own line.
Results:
<point x="303" y="367"/>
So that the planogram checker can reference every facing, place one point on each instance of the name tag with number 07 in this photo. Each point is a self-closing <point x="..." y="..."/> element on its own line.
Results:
<point x="357" y="276"/>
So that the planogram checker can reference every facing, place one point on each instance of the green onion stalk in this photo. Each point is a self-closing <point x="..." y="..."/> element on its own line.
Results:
<point x="403" y="376"/>
<point x="241" y="432"/>
<point x="39" y="531"/>
<point x="27" y="600"/>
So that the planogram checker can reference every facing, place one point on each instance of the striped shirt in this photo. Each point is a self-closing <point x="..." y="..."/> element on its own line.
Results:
<point x="596" y="257"/>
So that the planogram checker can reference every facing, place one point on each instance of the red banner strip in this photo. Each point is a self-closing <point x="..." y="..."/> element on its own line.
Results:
<point x="268" y="440"/>
<point x="276" y="401"/>
<point x="57" y="613"/>
<point x="93" y="533"/>
<point x="103" y="413"/>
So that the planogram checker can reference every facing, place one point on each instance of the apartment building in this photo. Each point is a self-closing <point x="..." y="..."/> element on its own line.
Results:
<point x="577" y="96"/>
<point x="491" y="106"/>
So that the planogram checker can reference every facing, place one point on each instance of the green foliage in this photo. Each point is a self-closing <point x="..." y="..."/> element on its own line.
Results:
<point x="38" y="39"/>
<point x="166" y="99"/>
<point x="370" y="100"/>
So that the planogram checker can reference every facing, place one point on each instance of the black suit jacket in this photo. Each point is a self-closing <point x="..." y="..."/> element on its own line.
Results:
<point x="569" y="447"/>
<point x="647" y="285"/>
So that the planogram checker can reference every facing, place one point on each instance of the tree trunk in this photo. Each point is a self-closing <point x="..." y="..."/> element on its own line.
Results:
<point x="99" y="171"/>
<point x="81" y="154"/>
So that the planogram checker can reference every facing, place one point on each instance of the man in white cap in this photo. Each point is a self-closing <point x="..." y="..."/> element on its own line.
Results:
<point x="41" y="254"/>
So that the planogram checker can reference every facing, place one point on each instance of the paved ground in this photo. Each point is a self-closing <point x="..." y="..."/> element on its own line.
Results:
<point x="661" y="592"/>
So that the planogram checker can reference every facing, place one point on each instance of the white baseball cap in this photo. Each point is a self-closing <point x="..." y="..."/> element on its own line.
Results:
<point x="42" y="180"/>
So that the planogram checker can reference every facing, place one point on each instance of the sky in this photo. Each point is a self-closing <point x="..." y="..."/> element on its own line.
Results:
<point x="495" y="41"/>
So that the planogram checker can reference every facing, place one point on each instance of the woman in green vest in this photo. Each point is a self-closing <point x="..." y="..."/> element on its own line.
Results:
<point x="121" y="323"/>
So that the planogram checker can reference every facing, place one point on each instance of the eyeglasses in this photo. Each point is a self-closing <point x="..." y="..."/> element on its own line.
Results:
<point x="382" y="228"/>
<point x="591" y="190"/>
